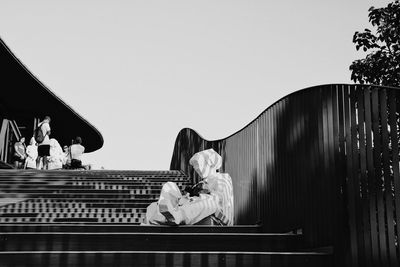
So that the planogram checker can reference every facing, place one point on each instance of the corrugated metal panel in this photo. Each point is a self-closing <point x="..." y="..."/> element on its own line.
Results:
<point x="324" y="159"/>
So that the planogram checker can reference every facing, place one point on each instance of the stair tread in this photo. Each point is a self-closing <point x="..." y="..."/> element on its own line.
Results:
<point x="193" y="234"/>
<point x="171" y="252"/>
<point x="129" y="228"/>
<point x="137" y="241"/>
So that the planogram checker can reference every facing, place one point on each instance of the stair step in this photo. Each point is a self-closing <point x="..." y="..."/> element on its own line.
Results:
<point x="84" y="175"/>
<point x="138" y="219"/>
<point x="73" y="214"/>
<point x="83" y="185"/>
<point x="137" y="241"/>
<point x="88" y="228"/>
<point x="52" y="200"/>
<point x="49" y="180"/>
<point x="82" y="191"/>
<point x="125" y="195"/>
<point x="88" y="203"/>
<point x="163" y="258"/>
<point x="115" y="173"/>
<point x="100" y="220"/>
<point x="71" y="210"/>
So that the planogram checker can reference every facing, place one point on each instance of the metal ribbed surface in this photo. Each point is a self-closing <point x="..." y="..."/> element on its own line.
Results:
<point x="324" y="159"/>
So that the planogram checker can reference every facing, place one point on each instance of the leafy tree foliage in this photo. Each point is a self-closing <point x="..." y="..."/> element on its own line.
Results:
<point x="382" y="64"/>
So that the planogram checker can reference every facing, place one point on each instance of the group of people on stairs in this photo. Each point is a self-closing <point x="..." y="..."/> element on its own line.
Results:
<point x="210" y="199"/>
<point x="46" y="153"/>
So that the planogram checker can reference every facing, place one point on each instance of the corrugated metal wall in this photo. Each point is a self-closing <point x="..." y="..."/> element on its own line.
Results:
<point x="324" y="159"/>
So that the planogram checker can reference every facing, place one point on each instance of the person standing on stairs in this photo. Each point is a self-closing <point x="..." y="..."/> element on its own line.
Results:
<point x="76" y="151"/>
<point x="19" y="153"/>
<point x="31" y="154"/>
<point x="44" y="144"/>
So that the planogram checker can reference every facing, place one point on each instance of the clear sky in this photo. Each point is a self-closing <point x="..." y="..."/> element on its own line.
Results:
<point x="140" y="71"/>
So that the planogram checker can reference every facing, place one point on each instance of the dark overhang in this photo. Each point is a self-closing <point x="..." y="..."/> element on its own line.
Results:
<point x="22" y="95"/>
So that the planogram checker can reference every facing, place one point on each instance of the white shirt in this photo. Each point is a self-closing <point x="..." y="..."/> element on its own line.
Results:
<point x="32" y="153"/>
<point x="45" y="127"/>
<point x="76" y="151"/>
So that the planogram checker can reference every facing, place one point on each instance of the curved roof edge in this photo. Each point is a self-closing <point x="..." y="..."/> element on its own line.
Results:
<point x="53" y="95"/>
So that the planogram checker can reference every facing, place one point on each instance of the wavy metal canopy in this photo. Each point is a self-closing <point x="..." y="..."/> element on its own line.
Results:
<point x="325" y="159"/>
<point x="22" y="95"/>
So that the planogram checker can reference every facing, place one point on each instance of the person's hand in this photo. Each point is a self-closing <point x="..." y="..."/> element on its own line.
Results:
<point x="183" y="200"/>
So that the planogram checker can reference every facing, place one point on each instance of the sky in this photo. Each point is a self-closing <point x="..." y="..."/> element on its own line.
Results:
<point x="140" y="71"/>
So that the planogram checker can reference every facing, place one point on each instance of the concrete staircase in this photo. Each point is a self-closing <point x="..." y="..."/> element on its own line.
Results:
<point x="81" y="196"/>
<point x="91" y="218"/>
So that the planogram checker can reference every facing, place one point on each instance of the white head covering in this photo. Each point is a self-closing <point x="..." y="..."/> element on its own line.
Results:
<point x="56" y="155"/>
<point x="32" y="141"/>
<point x="206" y="162"/>
<point x="55" y="146"/>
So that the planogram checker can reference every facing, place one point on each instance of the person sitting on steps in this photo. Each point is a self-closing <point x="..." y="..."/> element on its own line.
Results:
<point x="212" y="198"/>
